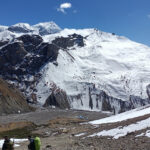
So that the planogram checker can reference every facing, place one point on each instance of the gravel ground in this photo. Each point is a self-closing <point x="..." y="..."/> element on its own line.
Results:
<point x="42" y="116"/>
<point x="58" y="129"/>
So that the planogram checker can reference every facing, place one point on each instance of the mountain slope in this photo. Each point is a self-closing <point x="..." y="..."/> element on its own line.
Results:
<point x="11" y="100"/>
<point x="81" y="69"/>
<point x="106" y="62"/>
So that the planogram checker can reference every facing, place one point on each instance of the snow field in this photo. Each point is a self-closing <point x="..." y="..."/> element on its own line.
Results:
<point x="124" y="130"/>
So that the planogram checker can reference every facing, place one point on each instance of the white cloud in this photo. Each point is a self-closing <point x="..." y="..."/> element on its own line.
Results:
<point x="64" y="6"/>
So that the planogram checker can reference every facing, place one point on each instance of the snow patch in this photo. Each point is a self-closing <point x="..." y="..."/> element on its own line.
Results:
<point x="16" y="142"/>
<point x="123" y="131"/>
<point x="123" y="116"/>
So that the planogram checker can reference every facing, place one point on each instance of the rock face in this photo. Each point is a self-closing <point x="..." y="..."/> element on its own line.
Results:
<point x="69" y="41"/>
<point x="12" y="54"/>
<point x="25" y="56"/>
<point x="28" y="53"/>
<point x="100" y="100"/>
<point x="11" y="100"/>
<point x="91" y="70"/>
<point x="30" y="42"/>
<point x="58" y="99"/>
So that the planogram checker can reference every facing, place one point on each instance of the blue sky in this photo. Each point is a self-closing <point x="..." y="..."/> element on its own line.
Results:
<point x="130" y="18"/>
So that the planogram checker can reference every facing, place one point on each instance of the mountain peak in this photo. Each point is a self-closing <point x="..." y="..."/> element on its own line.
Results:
<point x="20" y="28"/>
<point x="45" y="28"/>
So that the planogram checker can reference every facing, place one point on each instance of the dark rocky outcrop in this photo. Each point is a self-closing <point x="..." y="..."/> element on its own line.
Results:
<point x="71" y="40"/>
<point x="48" y="51"/>
<point x="26" y="56"/>
<point x="30" y="42"/>
<point x="59" y="99"/>
<point x="29" y="53"/>
<point x="12" y="53"/>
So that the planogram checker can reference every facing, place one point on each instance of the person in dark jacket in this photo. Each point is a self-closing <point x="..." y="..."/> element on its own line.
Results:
<point x="31" y="145"/>
<point x="8" y="144"/>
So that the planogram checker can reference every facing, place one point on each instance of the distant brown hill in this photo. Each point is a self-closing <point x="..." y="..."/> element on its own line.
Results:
<point x="11" y="100"/>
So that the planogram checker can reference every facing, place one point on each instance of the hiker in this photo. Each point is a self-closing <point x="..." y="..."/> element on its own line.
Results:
<point x="31" y="145"/>
<point x="8" y="144"/>
<point x="37" y="143"/>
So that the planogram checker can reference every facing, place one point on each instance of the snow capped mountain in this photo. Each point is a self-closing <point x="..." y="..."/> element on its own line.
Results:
<point x="107" y="63"/>
<point x="47" y="28"/>
<point x="20" y="28"/>
<point x="24" y="28"/>
<point x="81" y="69"/>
